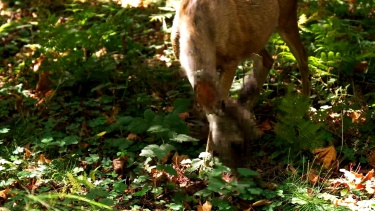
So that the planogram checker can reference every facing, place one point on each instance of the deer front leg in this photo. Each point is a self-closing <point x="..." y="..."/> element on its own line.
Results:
<point x="262" y="63"/>
<point x="227" y="72"/>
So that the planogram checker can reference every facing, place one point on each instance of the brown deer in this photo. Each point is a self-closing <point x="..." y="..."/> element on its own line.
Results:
<point x="211" y="37"/>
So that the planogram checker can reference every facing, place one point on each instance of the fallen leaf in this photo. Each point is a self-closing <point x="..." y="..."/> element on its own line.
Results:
<point x="110" y="119"/>
<point x="166" y="157"/>
<point x="361" y="67"/>
<point x="265" y="125"/>
<point x="3" y="193"/>
<point x="115" y="110"/>
<point x="207" y="206"/>
<point x="261" y="203"/>
<point x="101" y="134"/>
<point x="27" y="153"/>
<point x="43" y="83"/>
<point x="169" y="109"/>
<point x="271" y="186"/>
<point x="119" y="164"/>
<point x="360" y="186"/>
<point x="37" y="62"/>
<point x="176" y="160"/>
<point x="313" y="179"/>
<point x="158" y="175"/>
<point x="326" y="156"/>
<point x="132" y="137"/>
<point x="368" y="176"/>
<point x="290" y="168"/>
<point x="49" y="93"/>
<point x="184" y="115"/>
<point x="83" y="145"/>
<point x="355" y="116"/>
<point x="43" y="159"/>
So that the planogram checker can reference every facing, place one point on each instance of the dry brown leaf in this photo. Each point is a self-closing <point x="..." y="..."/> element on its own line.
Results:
<point x="176" y="160"/>
<point x="207" y="206"/>
<point x="261" y="203"/>
<point x="3" y="193"/>
<point x="115" y="110"/>
<point x="355" y="116"/>
<point x="43" y="83"/>
<point x="83" y="145"/>
<point x="271" y="186"/>
<point x="361" y="67"/>
<point x="184" y="115"/>
<point x="27" y="153"/>
<point x="290" y="168"/>
<point x="157" y="176"/>
<point x="360" y="186"/>
<point x="43" y="159"/>
<point x="169" y="109"/>
<point x="368" y="176"/>
<point x="49" y="93"/>
<point x="326" y="156"/>
<point x="132" y="137"/>
<point x="166" y="158"/>
<point x="119" y="164"/>
<point x="33" y="185"/>
<point x="156" y="96"/>
<point x="265" y="125"/>
<point x="110" y="119"/>
<point x="37" y="62"/>
<point x="313" y="179"/>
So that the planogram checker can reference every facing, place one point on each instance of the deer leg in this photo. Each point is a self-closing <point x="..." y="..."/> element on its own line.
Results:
<point x="227" y="73"/>
<point x="288" y="30"/>
<point x="226" y="77"/>
<point x="254" y="82"/>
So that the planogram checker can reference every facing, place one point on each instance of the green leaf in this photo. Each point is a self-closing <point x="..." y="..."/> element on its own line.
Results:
<point x="4" y="130"/>
<point x="174" y="206"/>
<point x="143" y="191"/>
<point x="107" y="201"/>
<point x="167" y="168"/>
<point x="216" y="184"/>
<point x="149" y="115"/>
<point x="255" y="191"/>
<point x="247" y="172"/>
<point x="138" y="125"/>
<point x="157" y="129"/>
<point x="181" y="105"/>
<point x="195" y="164"/>
<point x="183" y="138"/>
<point x="156" y="151"/>
<point x="101" y="86"/>
<point x="69" y="140"/>
<point x="299" y="201"/>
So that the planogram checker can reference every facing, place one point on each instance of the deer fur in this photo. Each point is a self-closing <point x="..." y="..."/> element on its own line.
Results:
<point x="211" y="37"/>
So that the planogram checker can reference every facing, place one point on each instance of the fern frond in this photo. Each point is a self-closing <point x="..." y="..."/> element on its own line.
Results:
<point x="294" y="130"/>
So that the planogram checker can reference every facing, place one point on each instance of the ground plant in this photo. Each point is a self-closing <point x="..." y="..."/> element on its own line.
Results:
<point x="96" y="113"/>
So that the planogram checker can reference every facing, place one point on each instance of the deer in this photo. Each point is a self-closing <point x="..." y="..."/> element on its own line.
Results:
<point x="210" y="38"/>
